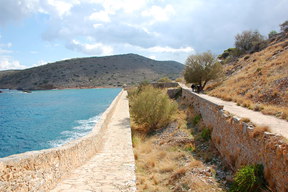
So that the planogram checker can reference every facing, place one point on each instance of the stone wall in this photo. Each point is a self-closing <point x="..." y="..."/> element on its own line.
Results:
<point x="239" y="144"/>
<point x="41" y="170"/>
<point x="174" y="93"/>
<point x="165" y="85"/>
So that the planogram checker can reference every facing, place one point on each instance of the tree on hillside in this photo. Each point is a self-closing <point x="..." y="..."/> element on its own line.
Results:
<point x="201" y="68"/>
<point x="272" y="34"/>
<point x="284" y="26"/>
<point x="249" y="41"/>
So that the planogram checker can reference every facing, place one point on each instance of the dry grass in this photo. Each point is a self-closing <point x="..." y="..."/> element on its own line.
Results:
<point x="259" y="83"/>
<point x="163" y="164"/>
<point x="164" y="169"/>
<point x="259" y="130"/>
<point x="245" y="120"/>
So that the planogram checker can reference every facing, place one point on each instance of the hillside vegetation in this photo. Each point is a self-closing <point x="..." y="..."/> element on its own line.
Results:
<point x="258" y="81"/>
<point x="110" y="71"/>
<point x="172" y="148"/>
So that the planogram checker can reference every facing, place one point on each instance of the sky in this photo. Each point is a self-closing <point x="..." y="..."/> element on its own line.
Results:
<point x="36" y="32"/>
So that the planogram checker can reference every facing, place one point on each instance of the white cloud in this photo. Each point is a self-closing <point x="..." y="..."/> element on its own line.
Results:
<point x="5" y="51"/>
<point x="158" y="49"/>
<point x="62" y="7"/>
<point x="11" y="11"/>
<point x="101" y="16"/>
<point x="7" y="63"/>
<point x="128" y="6"/>
<point x="166" y="29"/>
<point x="159" y="13"/>
<point x="97" y="25"/>
<point x="91" y="49"/>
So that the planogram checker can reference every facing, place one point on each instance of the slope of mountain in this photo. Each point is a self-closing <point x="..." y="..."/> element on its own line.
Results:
<point x="111" y="71"/>
<point x="7" y="72"/>
<point x="259" y="81"/>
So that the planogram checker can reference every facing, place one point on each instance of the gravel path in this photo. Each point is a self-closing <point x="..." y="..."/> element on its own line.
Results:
<point x="276" y="125"/>
<point x="113" y="168"/>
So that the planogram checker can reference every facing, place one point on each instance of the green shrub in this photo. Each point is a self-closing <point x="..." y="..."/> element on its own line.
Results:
<point x="284" y="26"/>
<point x="151" y="108"/>
<point x="272" y="34"/>
<point x="189" y="147"/>
<point x="196" y="119"/>
<point x="136" y="90"/>
<point x="206" y="134"/>
<point x="249" y="179"/>
<point x="250" y="42"/>
<point x="164" y="80"/>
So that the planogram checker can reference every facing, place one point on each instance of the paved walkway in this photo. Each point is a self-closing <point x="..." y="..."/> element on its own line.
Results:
<point x="276" y="125"/>
<point x="113" y="168"/>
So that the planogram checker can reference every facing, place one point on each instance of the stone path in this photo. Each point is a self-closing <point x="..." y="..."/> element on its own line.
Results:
<point x="113" y="168"/>
<point x="276" y="125"/>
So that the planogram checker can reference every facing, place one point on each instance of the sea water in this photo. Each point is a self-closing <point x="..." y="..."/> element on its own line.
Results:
<point x="46" y="119"/>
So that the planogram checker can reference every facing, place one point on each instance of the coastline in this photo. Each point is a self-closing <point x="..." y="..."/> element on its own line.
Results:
<point x="41" y="170"/>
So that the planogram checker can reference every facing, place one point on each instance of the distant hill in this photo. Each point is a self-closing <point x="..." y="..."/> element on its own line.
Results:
<point x="258" y="81"/>
<point x="7" y="72"/>
<point x="110" y="71"/>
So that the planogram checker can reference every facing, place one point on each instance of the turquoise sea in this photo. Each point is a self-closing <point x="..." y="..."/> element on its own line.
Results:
<point x="46" y="119"/>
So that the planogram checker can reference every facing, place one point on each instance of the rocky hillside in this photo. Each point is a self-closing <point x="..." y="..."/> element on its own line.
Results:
<point x="258" y="81"/>
<point x="7" y="72"/>
<point x="110" y="71"/>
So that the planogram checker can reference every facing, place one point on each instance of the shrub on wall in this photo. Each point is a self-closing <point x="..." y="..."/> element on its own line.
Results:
<point x="249" y="179"/>
<point x="151" y="108"/>
<point x="206" y="134"/>
<point x="196" y="119"/>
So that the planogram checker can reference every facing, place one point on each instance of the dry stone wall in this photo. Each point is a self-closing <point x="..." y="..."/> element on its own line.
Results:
<point x="240" y="145"/>
<point x="41" y="170"/>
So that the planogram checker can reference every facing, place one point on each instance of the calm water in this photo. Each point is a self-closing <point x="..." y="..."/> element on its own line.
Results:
<point x="45" y="119"/>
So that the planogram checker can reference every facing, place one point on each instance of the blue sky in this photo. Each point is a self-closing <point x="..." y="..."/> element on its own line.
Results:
<point x="35" y="32"/>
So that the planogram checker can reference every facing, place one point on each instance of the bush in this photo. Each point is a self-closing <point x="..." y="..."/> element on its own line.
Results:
<point x="284" y="26"/>
<point x="250" y="42"/>
<point x="164" y="80"/>
<point x="231" y="52"/>
<point x="272" y="34"/>
<point x="229" y="55"/>
<point x="132" y="92"/>
<point x="196" y="119"/>
<point x="179" y="80"/>
<point x="206" y="134"/>
<point x="151" y="108"/>
<point x="249" y="179"/>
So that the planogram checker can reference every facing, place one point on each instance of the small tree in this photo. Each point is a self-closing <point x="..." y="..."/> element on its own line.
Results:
<point x="249" y="41"/>
<point x="272" y="33"/>
<point x="202" y="68"/>
<point x="284" y="26"/>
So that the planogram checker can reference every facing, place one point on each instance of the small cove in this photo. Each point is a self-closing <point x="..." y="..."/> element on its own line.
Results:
<point x="46" y="119"/>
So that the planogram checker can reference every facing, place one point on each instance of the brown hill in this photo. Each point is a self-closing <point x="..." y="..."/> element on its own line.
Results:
<point x="258" y="81"/>
<point x="109" y="71"/>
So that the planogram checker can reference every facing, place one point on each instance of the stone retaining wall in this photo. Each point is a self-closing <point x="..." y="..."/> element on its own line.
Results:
<point x="238" y="143"/>
<point x="165" y="85"/>
<point x="41" y="170"/>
